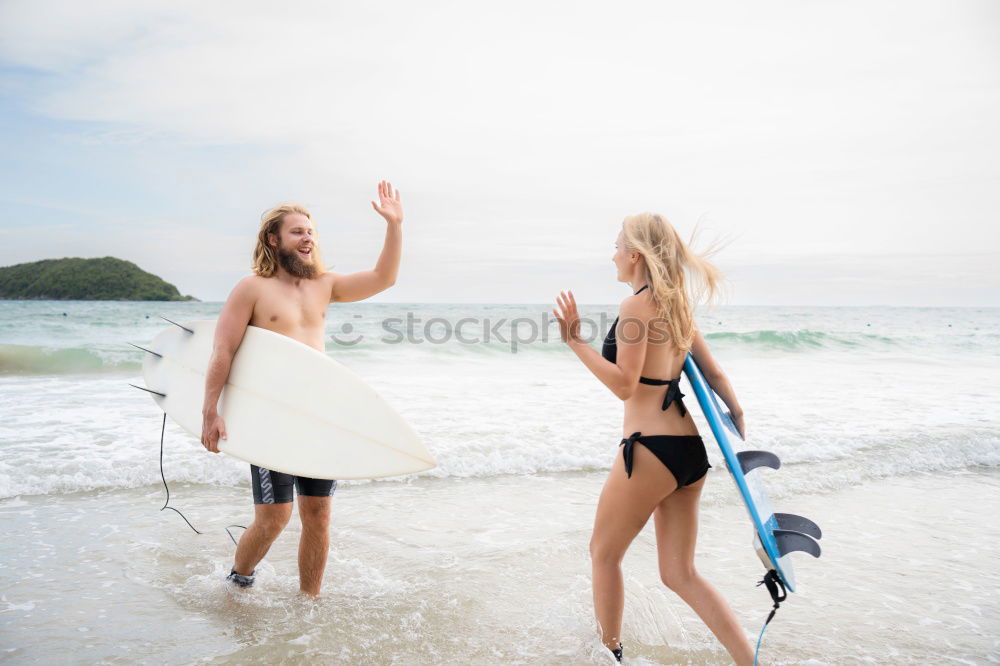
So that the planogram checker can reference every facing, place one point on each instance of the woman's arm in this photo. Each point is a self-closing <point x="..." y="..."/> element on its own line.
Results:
<point x="717" y="379"/>
<point x="623" y="377"/>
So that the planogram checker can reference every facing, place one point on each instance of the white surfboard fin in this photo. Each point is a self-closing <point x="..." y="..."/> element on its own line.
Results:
<point x="148" y="351"/>
<point x="176" y="324"/>
<point x="789" y="541"/>
<point x="143" y="388"/>
<point x="789" y="521"/>
<point x="750" y="460"/>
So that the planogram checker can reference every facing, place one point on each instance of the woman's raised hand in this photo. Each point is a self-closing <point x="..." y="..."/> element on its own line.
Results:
<point x="568" y="317"/>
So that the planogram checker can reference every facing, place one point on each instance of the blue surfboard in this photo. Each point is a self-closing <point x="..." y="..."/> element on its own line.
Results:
<point x="775" y="534"/>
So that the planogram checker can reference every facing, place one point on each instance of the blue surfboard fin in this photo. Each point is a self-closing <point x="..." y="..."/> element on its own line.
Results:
<point x="793" y="523"/>
<point x="753" y="459"/>
<point x="176" y="324"/>
<point x="789" y="542"/>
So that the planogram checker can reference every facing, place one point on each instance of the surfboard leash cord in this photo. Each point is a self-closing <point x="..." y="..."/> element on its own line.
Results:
<point x="166" y="503"/>
<point x="773" y="583"/>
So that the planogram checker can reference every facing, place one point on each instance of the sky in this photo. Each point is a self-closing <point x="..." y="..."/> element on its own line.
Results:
<point x="843" y="153"/>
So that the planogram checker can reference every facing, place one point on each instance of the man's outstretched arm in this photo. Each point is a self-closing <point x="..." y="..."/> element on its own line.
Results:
<point x="229" y="331"/>
<point x="361" y="285"/>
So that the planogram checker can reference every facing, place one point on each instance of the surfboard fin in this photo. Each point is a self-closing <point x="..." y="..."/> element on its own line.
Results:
<point x="143" y="388"/>
<point x="790" y="541"/>
<point x="750" y="460"/>
<point x="148" y="351"/>
<point x="176" y="324"/>
<point x="793" y="523"/>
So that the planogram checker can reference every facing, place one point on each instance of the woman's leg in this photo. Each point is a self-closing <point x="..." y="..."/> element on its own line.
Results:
<point x="622" y="511"/>
<point x="676" y="520"/>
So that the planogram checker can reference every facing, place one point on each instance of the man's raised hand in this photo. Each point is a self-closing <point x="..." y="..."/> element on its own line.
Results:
<point x="389" y="205"/>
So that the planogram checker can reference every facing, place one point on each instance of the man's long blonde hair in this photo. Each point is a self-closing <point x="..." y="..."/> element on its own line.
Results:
<point x="670" y="266"/>
<point x="265" y="256"/>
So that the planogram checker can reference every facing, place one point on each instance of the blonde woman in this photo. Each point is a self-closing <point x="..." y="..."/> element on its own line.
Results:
<point x="662" y="465"/>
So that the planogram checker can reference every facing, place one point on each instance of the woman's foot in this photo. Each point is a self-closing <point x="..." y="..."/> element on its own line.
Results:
<point x="618" y="653"/>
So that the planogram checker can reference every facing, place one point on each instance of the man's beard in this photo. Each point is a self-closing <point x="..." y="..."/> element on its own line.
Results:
<point x="292" y="262"/>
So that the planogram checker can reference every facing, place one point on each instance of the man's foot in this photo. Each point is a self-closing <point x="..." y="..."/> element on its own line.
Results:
<point x="240" y="580"/>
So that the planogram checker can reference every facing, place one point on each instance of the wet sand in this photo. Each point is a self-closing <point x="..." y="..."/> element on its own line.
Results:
<point x="489" y="571"/>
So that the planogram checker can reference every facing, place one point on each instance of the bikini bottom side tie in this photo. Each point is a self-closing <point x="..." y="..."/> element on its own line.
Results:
<point x="683" y="455"/>
<point x="629" y="451"/>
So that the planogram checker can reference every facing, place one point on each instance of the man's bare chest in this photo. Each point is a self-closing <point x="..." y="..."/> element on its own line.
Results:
<point x="285" y="308"/>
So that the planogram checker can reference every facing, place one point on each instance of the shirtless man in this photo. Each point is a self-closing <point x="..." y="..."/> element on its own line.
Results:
<point x="289" y="293"/>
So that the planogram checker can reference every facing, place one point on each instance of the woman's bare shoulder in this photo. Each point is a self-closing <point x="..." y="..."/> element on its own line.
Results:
<point x="638" y="305"/>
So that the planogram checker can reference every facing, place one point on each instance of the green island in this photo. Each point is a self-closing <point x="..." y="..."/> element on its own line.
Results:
<point x="75" y="279"/>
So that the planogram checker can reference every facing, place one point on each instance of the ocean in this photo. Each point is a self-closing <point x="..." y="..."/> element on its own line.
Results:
<point x="885" y="420"/>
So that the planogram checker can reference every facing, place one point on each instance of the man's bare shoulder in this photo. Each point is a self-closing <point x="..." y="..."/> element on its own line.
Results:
<point x="249" y="284"/>
<point x="250" y="288"/>
<point x="328" y="282"/>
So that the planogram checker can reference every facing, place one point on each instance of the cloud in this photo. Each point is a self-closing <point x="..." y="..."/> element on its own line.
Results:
<point x="869" y="279"/>
<point x="520" y="133"/>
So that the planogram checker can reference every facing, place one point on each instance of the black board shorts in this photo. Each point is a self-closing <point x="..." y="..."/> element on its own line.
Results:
<point x="276" y="487"/>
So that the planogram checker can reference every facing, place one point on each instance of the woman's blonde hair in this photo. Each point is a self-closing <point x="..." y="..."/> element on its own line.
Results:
<point x="265" y="256"/>
<point x="670" y="266"/>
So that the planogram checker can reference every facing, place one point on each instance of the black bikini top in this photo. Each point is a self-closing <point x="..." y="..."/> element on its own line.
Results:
<point x="610" y="352"/>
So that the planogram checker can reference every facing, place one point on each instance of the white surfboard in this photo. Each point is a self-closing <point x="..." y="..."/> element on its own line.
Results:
<point x="287" y="407"/>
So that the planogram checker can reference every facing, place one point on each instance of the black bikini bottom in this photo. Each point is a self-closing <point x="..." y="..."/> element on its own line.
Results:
<point x="683" y="455"/>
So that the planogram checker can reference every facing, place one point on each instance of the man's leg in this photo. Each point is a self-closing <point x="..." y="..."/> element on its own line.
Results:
<point x="314" y="511"/>
<point x="268" y="521"/>
<point x="272" y="497"/>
